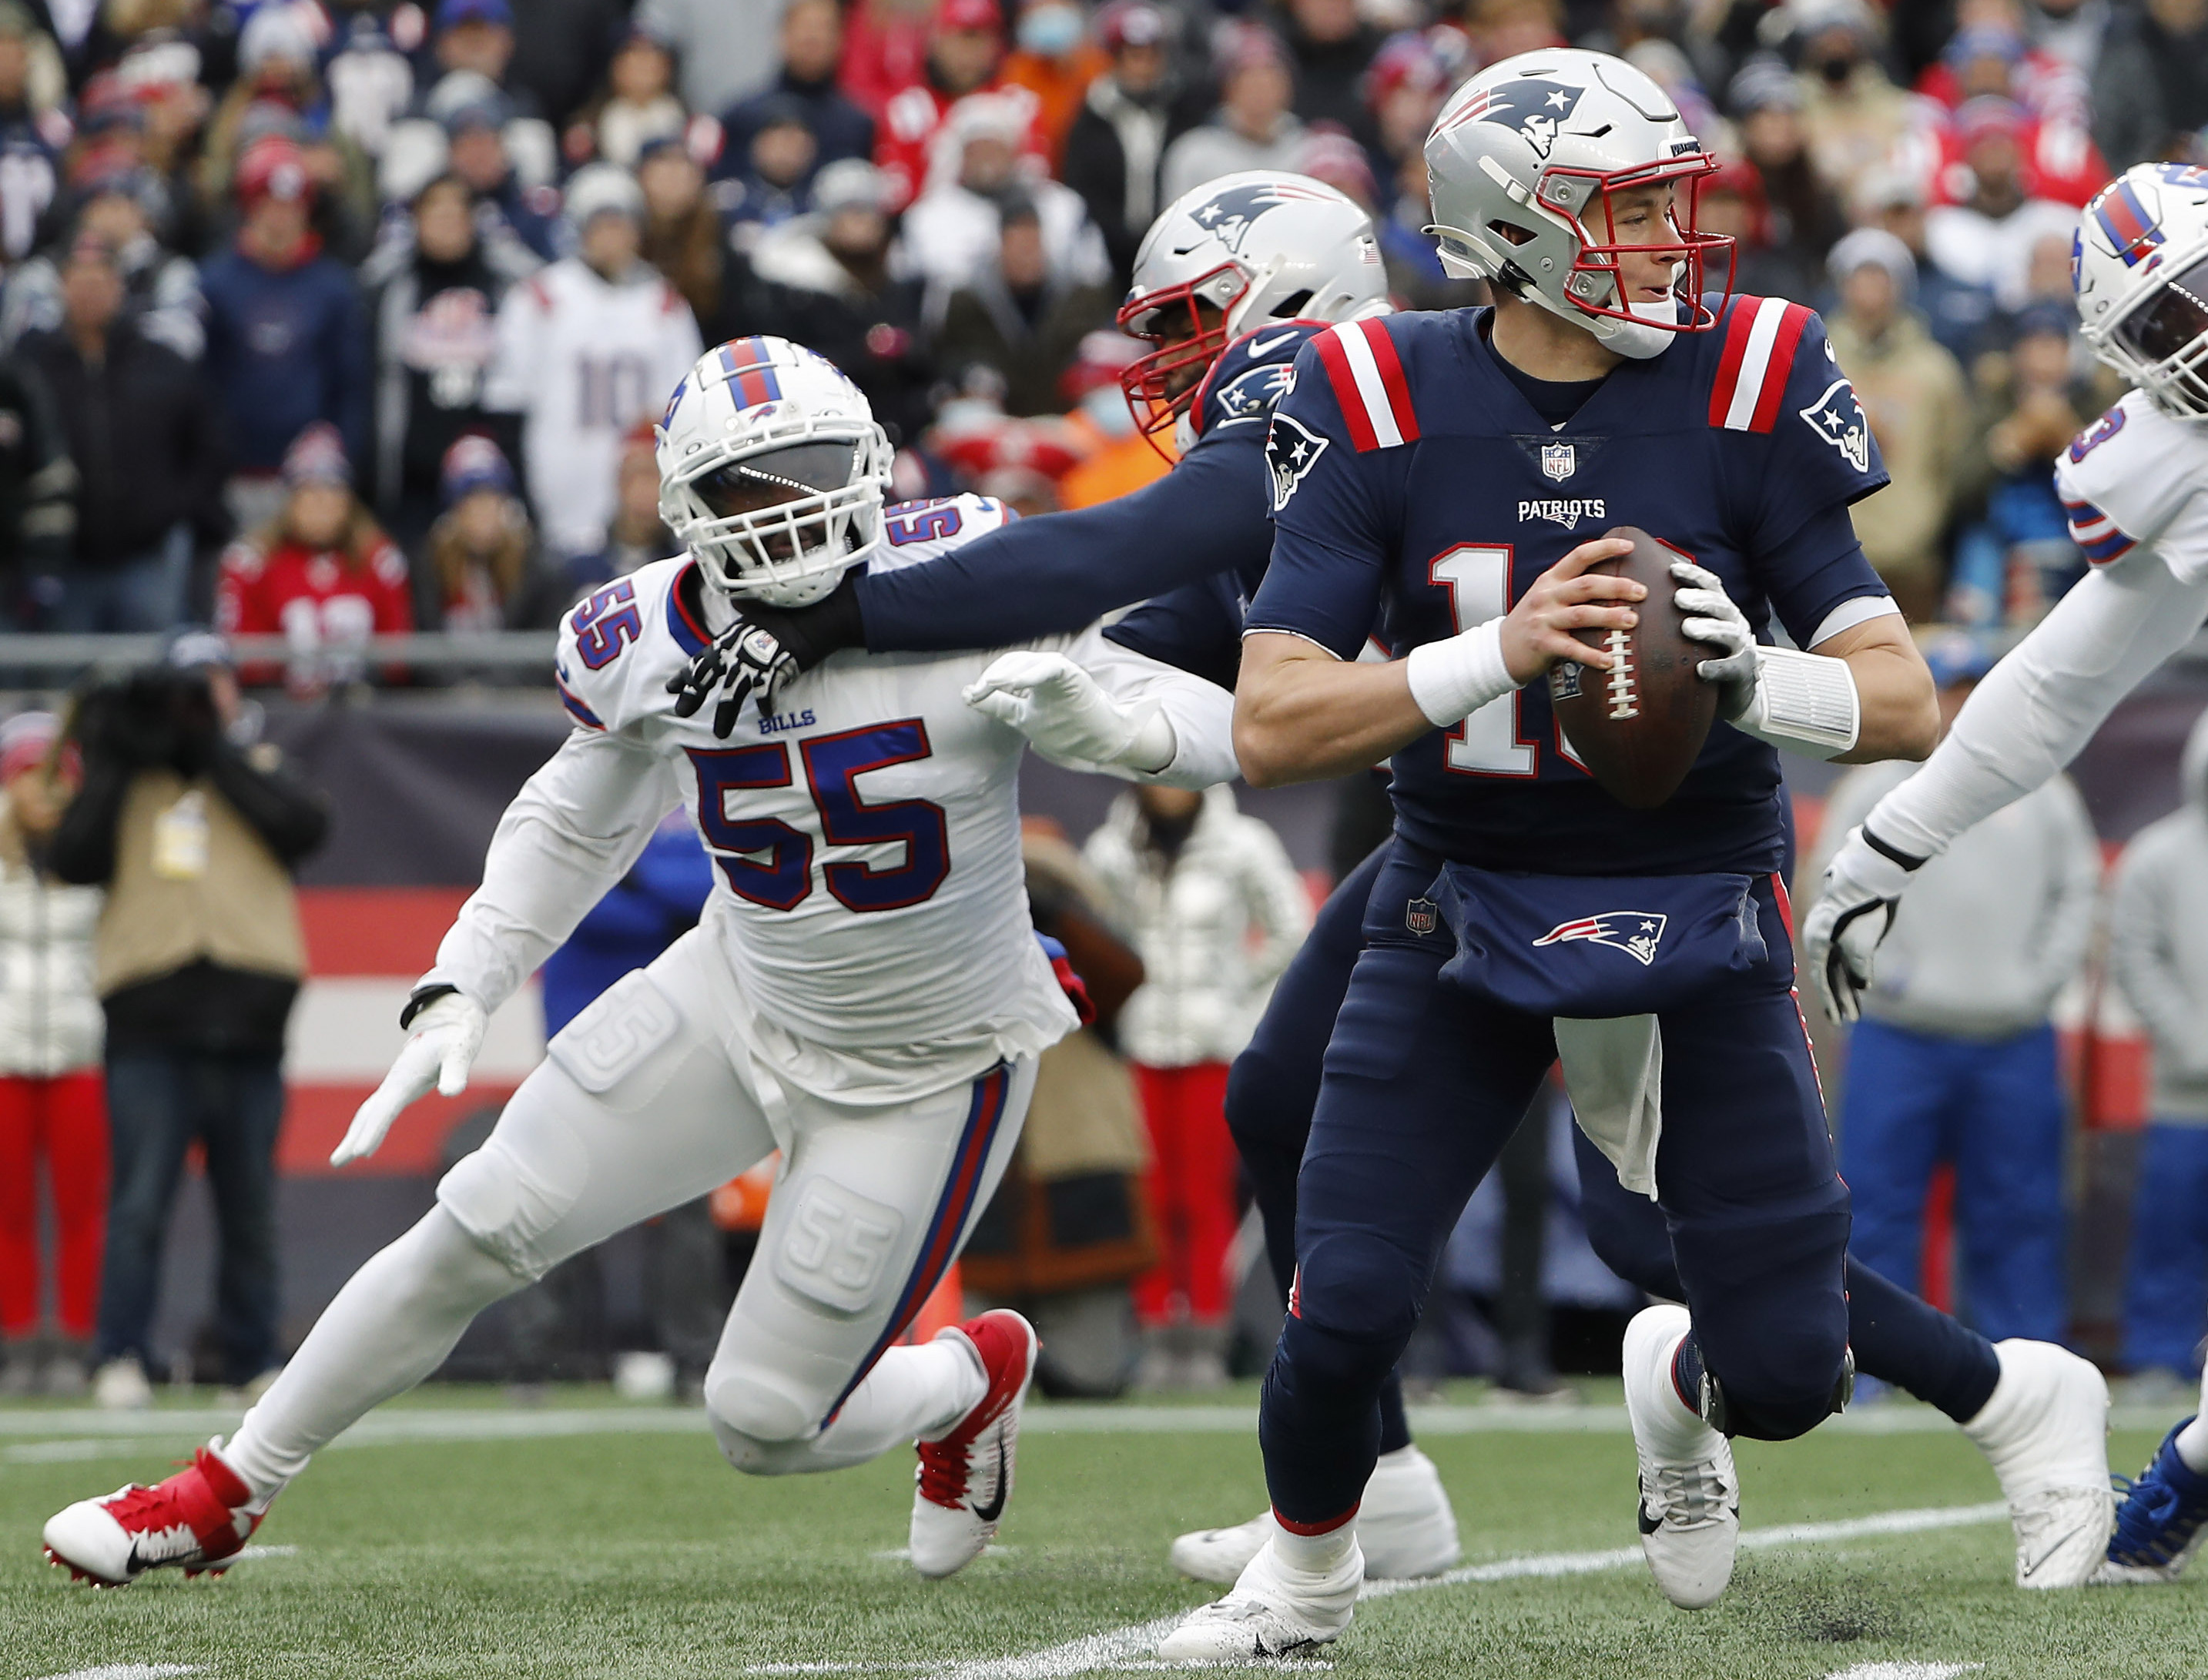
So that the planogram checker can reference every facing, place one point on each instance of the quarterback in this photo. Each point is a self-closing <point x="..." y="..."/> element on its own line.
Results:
<point x="864" y="991"/>
<point x="2135" y="484"/>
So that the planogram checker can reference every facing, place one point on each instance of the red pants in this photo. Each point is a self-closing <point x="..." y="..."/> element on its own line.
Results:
<point x="65" y="1118"/>
<point x="1192" y="1189"/>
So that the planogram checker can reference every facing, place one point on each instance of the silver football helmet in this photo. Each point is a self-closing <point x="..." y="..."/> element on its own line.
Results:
<point x="1257" y="246"/>
<point x="1523" y="163"/>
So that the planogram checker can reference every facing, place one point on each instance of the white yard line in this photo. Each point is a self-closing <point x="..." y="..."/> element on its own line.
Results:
<point x="130" y="1672"/>
<point x="1904" y="1672"/>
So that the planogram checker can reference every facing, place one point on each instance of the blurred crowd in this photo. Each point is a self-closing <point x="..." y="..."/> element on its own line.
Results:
<point x="322" y="319"/>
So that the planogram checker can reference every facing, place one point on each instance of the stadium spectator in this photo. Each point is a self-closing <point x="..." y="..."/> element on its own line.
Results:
<point x="2150" y="87"/>
<point x="478" y="36"/>
<point x="725" y="50"/>
<point x="951" y="233"/>
<point x="475" y="121"/>
<point x="634" y="536"/>
<point x="1732" y="202"/>
<point x="1215" y="910"/>
<point x="321" y="574"/>
<point x="637" y="105"/>
<point x="197" y="960"/>
<point x="162" y="74"/>
<point x="683" y="237"/>
<point x="827" y="280"/>
<point x="773" y="186"/>
<point x="473" y="50"/>
<point x="1983" y="233"/>
<point x="142" y="433"/>
<point x="287" y="339"/>
<point x="1403" y="91"/>
<point x="1852" y="114"/>
<point x="560" y="51"/>
<point x="1805" y="215"/>
<point x="586" y="349"/>
<point x="1053" y="58"/>
<point x="965" y="48"/>
<point x="1130" y="114"/>
<point x="1022" y="314"/>
<point x="52" y="1102"/>
<point x="2158" y="957"/>
<point x="483" y="563"/>
<point x="1954" y="1059"/>
<point x="434" y="291"/>
<point x="1992" y="54"/>
<point x="1331" y="47"/>
<point x="38" y="487"/>
<point x="122" y="207"/>
<point x="1253" y="127"/>
<point x="885" y="49"/>
<point x="1919" y="407"/>
<point x="811" y="50"/>
<point x="1956" y="312"/>
<point x="370" y="82"/>
<point x="34" y="127"/>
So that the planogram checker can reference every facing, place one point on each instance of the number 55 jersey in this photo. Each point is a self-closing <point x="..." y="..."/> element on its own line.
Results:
<point x="869" y="900"/>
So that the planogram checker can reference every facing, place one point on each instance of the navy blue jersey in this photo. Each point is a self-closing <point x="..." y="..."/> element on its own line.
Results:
<point x="1411" y="479"/>
<point x="1059" y="572"/>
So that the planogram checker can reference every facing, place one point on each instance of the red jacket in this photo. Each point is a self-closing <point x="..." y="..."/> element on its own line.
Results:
<point x="318" y="600"/>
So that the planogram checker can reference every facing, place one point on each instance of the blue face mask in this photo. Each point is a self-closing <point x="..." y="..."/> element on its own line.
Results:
<point x="1052" y="31"/>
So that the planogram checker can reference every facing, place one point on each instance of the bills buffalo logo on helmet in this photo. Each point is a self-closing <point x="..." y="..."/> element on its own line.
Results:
<point x="1536" y="108"/>
<point x="1291" y="452"/>
<point x="1636" y="932"/>
<point x="1838" y="418"/>
<point x="1229" y="215"/>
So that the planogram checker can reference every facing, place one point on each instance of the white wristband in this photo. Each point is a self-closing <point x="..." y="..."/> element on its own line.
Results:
<point x="1804" y="703"/>
<point x="1452" y="679"/>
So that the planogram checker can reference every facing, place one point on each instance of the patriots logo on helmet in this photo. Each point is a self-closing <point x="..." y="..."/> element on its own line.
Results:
<point x="1636" y="932"/>
<point x="1228" y="216"/>
<point x="1535" y="107"/>
<point x="1838" y="418"/>
<point x="1291" y="452"/>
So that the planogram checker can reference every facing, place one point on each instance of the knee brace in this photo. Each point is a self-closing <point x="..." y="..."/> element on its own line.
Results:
<point x="756" y="1407"/>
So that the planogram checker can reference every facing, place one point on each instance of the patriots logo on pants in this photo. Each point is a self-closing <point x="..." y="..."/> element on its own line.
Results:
<point x="1636" y="932"/>
<point x="1534" y="107"/>
<point x="1838" y="418"/>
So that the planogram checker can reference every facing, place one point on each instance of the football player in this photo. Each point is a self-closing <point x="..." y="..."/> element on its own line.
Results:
<point x="1431" y="471"/>
<point x="864" y="992"/>
<point x="2135" y="483"/>
<point x="1217" y="290"/>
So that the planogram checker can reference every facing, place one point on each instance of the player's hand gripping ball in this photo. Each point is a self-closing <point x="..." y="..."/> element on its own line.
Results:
<point x="1639" y="725"/>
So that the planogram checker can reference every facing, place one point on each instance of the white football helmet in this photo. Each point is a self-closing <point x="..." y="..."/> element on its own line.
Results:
<point x="1257" y="245"/>
<point x="771" y="470"/>
<point x="2140" y="265"/>
<point x="1527" y="150"/>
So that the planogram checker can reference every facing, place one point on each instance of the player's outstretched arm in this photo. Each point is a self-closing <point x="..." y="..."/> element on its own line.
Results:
<point x="1100" y="706"/>
<point x="573" y="830"/>
<point x="1302" y="714"/>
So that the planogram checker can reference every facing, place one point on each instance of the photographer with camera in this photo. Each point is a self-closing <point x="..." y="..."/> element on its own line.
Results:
<point x="194" y="833"/>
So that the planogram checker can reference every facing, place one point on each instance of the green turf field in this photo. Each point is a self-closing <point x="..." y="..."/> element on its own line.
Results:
<point x="614" y="1542"/>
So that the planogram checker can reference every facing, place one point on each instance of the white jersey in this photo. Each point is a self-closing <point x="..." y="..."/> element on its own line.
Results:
<point x="2136" y="475"/>
<point x="869" y="898"/>
<point x="584" y="361"/>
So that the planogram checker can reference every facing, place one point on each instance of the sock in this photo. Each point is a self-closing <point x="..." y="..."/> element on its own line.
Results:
<point x="389" y="1327"/>
<point x="1316" y="1554"/>
<point x="911" y="1393"/>
<point x="1394" y="1428"/>
<point x="1912" y="1344"/>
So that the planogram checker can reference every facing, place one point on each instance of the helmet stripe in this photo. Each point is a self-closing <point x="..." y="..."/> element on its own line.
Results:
<point x="2125" y="222"/>
<point x="750" y="367"/>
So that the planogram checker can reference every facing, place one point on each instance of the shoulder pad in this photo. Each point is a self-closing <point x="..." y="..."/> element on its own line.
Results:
<point x="2124" y="478"/>
<point x="918" y="531"/>
<point x="619" y="642"/>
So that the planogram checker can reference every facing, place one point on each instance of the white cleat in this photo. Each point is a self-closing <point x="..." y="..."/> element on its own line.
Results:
<point x="1689" y="1511"/>
<point x="965" y="1474"/>
<point x="2045" y="1431"/>
<point x="1405" y="1526"/>
<point x="1274" y="1611"/>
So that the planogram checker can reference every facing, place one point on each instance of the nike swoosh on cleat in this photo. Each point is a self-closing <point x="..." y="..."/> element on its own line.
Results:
<point x="1649" y="1525"/>
<point x="2032" y="1568"/>
<point x="995" y="1508"/>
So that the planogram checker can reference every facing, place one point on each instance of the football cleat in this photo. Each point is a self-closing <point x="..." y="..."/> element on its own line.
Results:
<point x="1689" y="1510"/>
<point x="1273" y="1610"/>
<point x="1405" y="1528"/>
<point x="2045" y="1430"/>
<point x="965" y="1475"/>
<point x="195" y="1520"/>
<point x="2162" y="1521"/>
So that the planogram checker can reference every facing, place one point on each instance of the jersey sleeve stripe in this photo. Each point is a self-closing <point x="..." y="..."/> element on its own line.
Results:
<point x="1387" y="409"/>
<point x="2100" y="551"/>
<point x="581" y="713"/>
<point x="1787" y="339"/>
<point x="1346" y="395"/>
<point x="1382" y="344"/>
<point x="1728" y="374"/>
<point x="1735" y="409"/>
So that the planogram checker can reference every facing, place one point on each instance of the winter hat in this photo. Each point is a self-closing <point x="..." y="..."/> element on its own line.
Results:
<point x="26" y="739"/>
<point x="317" y="455"/>
<point x="598" y="189"/>
<point x="1874" y="248"/>
<point x="275" y="31"/>
<point x="273" y="167"/>
<point x="474" y="462"/>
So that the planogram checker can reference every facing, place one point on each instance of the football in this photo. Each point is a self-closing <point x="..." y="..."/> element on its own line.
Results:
<point x="1639" y="727"/>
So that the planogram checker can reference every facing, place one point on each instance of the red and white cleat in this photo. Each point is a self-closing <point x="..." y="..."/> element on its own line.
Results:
<point x="966" y="1476"/>
<point x="195" y="1520"/>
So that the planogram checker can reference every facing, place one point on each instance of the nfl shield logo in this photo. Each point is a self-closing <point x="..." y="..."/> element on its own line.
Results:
<point x="1422" y="916"/>
<point x="1558" y="460"/>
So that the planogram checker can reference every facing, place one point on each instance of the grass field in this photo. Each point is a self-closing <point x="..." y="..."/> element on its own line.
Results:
<point x="455" y="1536"/>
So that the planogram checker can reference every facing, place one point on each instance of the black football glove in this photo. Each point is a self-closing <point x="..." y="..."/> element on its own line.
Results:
<point x="765" y="648"/>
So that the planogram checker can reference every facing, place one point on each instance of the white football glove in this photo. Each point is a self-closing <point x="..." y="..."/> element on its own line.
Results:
<point x="441" y="1043"/>
<point x="1066" y="713"/>
<point x="1855" y="906"/>
<point x="1716" y="621"/>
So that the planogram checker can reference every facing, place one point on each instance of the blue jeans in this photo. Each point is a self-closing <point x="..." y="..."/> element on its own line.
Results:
<point x="1995" y="1111"/>
<point x="157" y="1103"/>
<point x="2166" y="1298"/>
<point x="144" y="594"/>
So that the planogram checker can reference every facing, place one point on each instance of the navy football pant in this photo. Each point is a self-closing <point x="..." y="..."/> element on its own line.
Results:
<point x="1270" y="1103"/>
